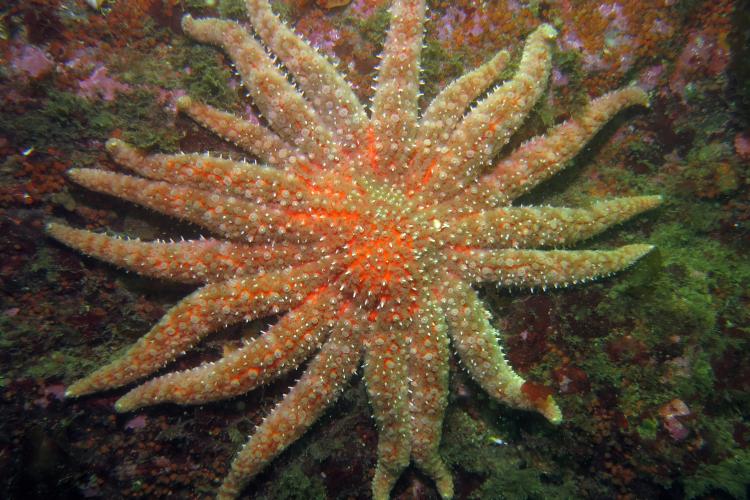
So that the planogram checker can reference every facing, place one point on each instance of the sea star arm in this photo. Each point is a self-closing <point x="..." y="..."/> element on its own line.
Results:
<point x="543" y="156"/>
<point x="198" y="261"/>
<point x="490" y="124"/>
<point x="529" y="227"/>
<point x="192" y="261"/>
<point x="208" y="308"/>
<point x="543" y="268"/>
<point x="448" y="107"/>
<point x="476" y="342"/>
<point x="282" y="348"/>
<point x="447" y="110"/>
<point x="256" y="183"/>
<point x="321" y="383"/>
<point x="251" y="137"/>
<point x="394" y="106"/>
<point x="386" y="374"/>
<point x="326" y="90"/>
<point x="428" y="375"/>
<point x="282" y="105"/>
<point x="228" y="215"/>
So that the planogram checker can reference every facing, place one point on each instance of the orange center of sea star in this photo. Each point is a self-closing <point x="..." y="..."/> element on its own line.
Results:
<point x="386" y="248"/>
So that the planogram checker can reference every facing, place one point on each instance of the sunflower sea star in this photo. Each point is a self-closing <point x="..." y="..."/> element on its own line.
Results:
<point x="365" y="229"/>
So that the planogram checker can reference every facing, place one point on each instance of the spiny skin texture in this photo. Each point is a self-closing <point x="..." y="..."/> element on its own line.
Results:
<point x="366" y="230"/>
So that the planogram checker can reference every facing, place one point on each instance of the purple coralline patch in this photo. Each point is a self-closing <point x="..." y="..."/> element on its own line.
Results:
<point x="363" y="8"/>
<point x="447" y="23"/>
<point x="324" y="40"/>
<point x="29" y="61"/>
<point x="99" y="85"/>
<point x="651" y="76"/>
<point x="702" y="55"/>
<point x="49" y="393"/>
<point x="137" y="422"/>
